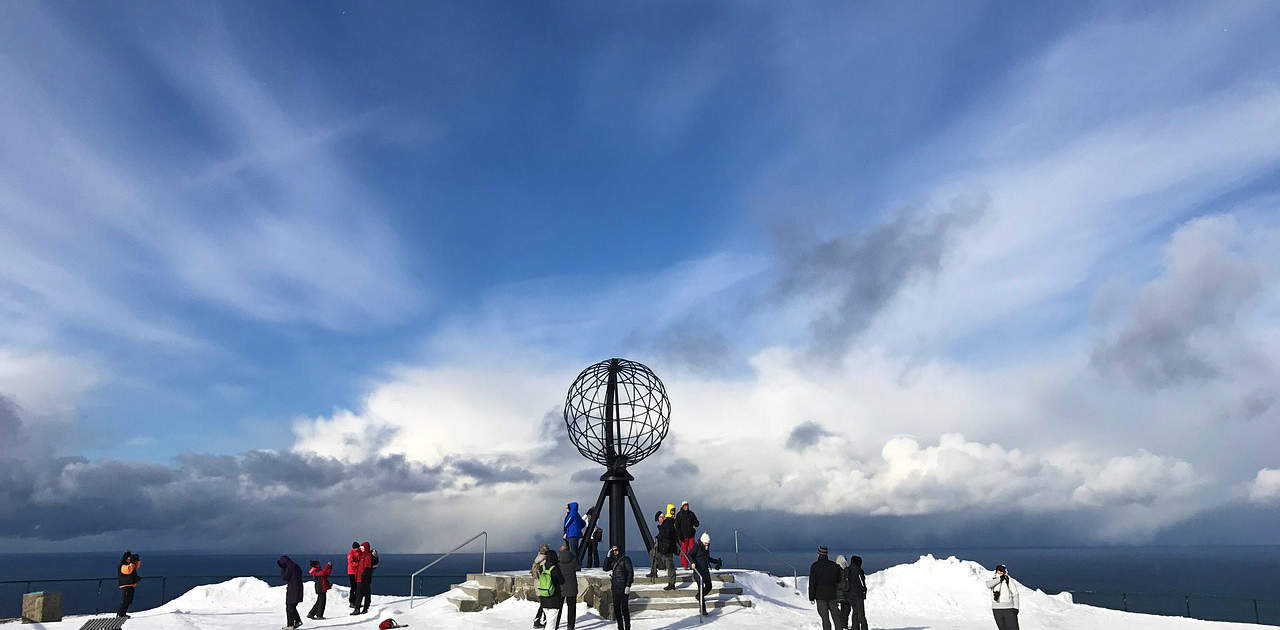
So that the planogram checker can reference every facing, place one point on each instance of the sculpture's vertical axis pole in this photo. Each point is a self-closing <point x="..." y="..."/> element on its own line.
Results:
<point x="617" y="469"/>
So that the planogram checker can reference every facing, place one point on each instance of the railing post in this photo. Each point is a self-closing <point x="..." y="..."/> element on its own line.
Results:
<point x="1125" y="598"/>
<point x="484" y="554"/>
<point x="1187" y="598"/>
<point x="736" y="554"/>
<point x="164" y="589"/>
<point x="1256" y="617"/>
<point x="97" y="600"/>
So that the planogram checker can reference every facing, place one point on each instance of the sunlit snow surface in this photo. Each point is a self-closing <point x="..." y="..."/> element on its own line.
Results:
<point x="930" y="593"/>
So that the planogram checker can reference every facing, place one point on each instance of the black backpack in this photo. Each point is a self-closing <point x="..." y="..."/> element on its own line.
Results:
<point x="374" y="561"/>
<point x="597" y="535"/>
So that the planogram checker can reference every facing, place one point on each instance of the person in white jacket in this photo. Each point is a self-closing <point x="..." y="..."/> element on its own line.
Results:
<point x="1004" y="599"/>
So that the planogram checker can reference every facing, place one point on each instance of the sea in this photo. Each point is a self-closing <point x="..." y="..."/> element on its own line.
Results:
<point x="1228" y="583"/>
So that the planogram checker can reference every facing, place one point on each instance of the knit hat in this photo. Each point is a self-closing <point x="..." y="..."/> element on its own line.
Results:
<point x="706" y="538"/>
<point x="856" y="561"/>
<point x="822" y="551"/>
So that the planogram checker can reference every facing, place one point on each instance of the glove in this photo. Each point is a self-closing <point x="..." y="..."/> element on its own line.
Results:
<point x="626" y="591"/>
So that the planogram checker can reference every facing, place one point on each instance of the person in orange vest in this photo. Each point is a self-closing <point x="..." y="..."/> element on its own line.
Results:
<point x="127" y="578"/>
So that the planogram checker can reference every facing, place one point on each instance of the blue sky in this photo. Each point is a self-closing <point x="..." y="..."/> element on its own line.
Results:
<point x="242" y="228"/>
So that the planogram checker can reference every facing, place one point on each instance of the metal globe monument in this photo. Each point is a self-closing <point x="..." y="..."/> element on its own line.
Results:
<point x="617" y="413"/>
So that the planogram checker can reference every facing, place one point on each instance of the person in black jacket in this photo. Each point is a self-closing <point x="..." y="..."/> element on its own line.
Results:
<point x="593" y="536"/>
<point x="686" y="529"/>
<point x="824" y="580"/>
<point x="291" y="575"/>
<point x="702" y="563"/>
<point x="621" y="576"/>
<point x="664" y="546"/>
<point x="569" y="569"/>
<point x="857" y="595"/>
<point x="127" y="578"/>
<point x="553" y="597"/>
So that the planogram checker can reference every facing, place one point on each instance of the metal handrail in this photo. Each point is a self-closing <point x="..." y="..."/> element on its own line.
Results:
<point x="484" y="557"/>
<point x="795" y="573"/>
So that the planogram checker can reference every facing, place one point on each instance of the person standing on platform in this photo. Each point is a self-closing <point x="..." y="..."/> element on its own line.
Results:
<point x="824" y="579"/>
<point x="842" y="594"/>
<point x="573" y="525"/>
<point x="702" y="563"/>
<point x="594" y="535"/>
<point x="686" y="530"/>
<point x="127" y="578"/>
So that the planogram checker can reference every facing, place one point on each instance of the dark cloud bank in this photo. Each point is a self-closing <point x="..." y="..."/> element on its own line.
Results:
<point x="208" y="501"/>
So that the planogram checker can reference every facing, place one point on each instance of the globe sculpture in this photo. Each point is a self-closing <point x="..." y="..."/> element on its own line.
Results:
<point x="617" y="414"/>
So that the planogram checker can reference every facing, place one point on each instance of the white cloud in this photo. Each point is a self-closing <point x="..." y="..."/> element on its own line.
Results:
<point x="1266" y="486"/>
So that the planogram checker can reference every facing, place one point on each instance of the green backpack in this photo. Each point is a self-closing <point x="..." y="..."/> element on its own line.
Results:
<point x="546" y="588"/>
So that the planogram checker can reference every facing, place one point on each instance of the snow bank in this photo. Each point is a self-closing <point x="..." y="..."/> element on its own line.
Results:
<point x="929" y="594"/>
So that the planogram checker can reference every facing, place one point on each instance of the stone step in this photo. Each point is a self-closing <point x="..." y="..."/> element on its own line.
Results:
<point x="464" y="602"/>
<point x="652" y="591"/>
<point x="687" y="603"/>
<point x="681" y="577"/>
<point x="486" y="596"/>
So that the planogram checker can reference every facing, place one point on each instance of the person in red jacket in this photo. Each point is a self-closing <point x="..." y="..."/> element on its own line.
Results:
<point x="322" y="587"/>
<point x="353" y="574"/>
<point x="368" y="561"/>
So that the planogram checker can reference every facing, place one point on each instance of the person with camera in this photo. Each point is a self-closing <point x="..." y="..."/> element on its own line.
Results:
<point x="702" y="563"/>
<point x="321" y="575"/>
<point x="127" y="578"/>
<point x="824" y="581"/>
<point x="1004" y="599"/>
<point x="621" y="576"/>
<point x="664" y="547"/>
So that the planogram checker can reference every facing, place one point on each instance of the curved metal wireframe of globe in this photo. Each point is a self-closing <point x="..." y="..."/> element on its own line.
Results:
<point x="642" y="413"/>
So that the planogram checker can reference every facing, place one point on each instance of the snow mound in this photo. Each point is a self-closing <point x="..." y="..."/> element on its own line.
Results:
<point x="236" y="593"/>
<point x="949" y="589"/>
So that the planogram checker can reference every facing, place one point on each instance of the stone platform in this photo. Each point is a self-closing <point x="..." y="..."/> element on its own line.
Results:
<point x="482" y="591"/>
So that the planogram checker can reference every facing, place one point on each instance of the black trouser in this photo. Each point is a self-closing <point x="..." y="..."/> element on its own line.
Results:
<point x="318" y="609"/>
<point x="354" y="595"/>
<point x="366" y="589"/>
<point x="1006" y="618"/>
<point x="827" y="609"/>
<point x="593" y="555"/>
<point x="842" y="618"/>
<point x="858" y="613"/>
<point x="291" y="616"/>
<point x="126" y="600"/>
<point x="621" y="608"/>
<point x="571" y="605"/>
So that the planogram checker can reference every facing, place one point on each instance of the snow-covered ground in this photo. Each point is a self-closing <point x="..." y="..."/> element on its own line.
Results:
<point x="929" y="594"/>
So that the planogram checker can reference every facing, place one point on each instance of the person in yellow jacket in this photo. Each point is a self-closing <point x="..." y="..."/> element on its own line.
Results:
<point x="671" y="510"/>
<point x="127" y="578"/>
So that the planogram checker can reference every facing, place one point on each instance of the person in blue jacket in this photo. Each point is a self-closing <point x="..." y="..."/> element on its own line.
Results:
<point x="573" y="526"/>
